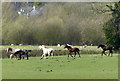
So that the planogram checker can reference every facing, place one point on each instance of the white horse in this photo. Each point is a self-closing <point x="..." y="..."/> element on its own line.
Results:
<point x="12" y="51"/>
<point x="46" y="51"/>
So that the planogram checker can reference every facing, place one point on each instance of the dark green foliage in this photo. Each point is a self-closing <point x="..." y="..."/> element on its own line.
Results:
<point x="112" y="27"/>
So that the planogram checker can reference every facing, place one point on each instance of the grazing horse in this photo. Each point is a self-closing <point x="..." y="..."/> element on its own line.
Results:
<point x="22" y="53"/>
<point x="70" y="49"/>
<point x="12" y="51"/>
<point x="46" y="51"/>
<point x="105" y="48"/>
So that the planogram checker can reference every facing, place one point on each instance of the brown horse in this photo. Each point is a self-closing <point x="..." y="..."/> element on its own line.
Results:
<point x="70" y="49"/>
<point x="105" y="48"/>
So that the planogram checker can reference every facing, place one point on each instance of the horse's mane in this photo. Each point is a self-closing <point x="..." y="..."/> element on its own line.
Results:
<point x="102" y="45"/>
<point x="9" y="49"/>
<point x="68" y="46"/>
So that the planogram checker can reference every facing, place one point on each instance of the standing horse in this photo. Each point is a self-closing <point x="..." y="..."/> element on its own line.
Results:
<point x="46" y="51"/>
<point x="105" y="48"/>
<point x="70" y="49"/>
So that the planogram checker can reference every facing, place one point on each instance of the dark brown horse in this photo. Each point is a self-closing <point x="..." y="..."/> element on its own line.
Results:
<point x="70" y="49"/>
<point x="105" y="48"/>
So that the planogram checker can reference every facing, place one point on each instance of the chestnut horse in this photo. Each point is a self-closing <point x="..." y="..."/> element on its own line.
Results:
<point x="105" y="48"/>
<point x="70" y="49"/>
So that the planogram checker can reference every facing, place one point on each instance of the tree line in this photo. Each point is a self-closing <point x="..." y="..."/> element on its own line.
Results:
<point x="73" y="23"/>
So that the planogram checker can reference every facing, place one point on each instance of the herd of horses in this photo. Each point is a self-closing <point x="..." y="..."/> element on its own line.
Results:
<point x="20" y="53"/>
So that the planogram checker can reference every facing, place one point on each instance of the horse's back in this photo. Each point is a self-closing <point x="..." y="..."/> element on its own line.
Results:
<point x="77" y="49"/>
<point x="109" y="47"/>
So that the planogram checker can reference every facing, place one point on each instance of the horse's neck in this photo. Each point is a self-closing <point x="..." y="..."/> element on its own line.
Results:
<point x="44" y="48"/>
<point x="68" y="48"/>
<point x="15" y="50"/>
<point x="10" y="49"/>
<point x="102" y="46"/>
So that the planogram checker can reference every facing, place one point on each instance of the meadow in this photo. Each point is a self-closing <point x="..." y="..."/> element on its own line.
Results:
<point x="59" y="67"/>
<point x="89" y="66"/>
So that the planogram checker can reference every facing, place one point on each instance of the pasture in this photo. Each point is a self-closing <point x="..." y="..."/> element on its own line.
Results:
<point x="89" y="66"/>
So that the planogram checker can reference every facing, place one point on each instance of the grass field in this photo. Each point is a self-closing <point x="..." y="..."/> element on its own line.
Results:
<point x="59" y="67"/>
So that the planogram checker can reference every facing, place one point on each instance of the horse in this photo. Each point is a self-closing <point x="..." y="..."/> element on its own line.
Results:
<point x="105" y="48"/>
<point x="70" y="49"/>
<point x="22" y="53"/>
<point x="12" y="51"/>
<point x="46" y="51"/>
<point x="15" y="52"/>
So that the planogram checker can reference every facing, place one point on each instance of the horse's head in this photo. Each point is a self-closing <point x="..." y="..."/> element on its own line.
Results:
<point x="66" y="46"/>
<point x="41" y="46"/>
<point x="9" y="49"/>
<point x="101" y="45"/>
<point x="28" y="50"/>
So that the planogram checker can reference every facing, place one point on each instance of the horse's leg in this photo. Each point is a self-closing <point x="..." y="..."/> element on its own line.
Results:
<point x="78" y="53"/>
<point x="74" y="54"/>
<point x="47" y="55"/>
<point x="111" y="52"/>
<point x="27" y="56"/>
<point x="15" y="56"/>
<point x="71" y="54"/>
<point x="103" y="52"/>
<point x="19" y="57"/>
<point x="52" y="54"/>
<point x="11" y="56"/>
<point x="23" y="56"/>
<point x="42" y="56"/>
<point x="68" y="55"/>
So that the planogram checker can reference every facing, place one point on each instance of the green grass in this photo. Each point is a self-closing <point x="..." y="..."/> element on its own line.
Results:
<point x="87" y="67"/>
<point x="0" y="69"/>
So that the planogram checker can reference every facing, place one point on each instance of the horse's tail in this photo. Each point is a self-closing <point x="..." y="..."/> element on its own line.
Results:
<point x="111" y="48"/>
